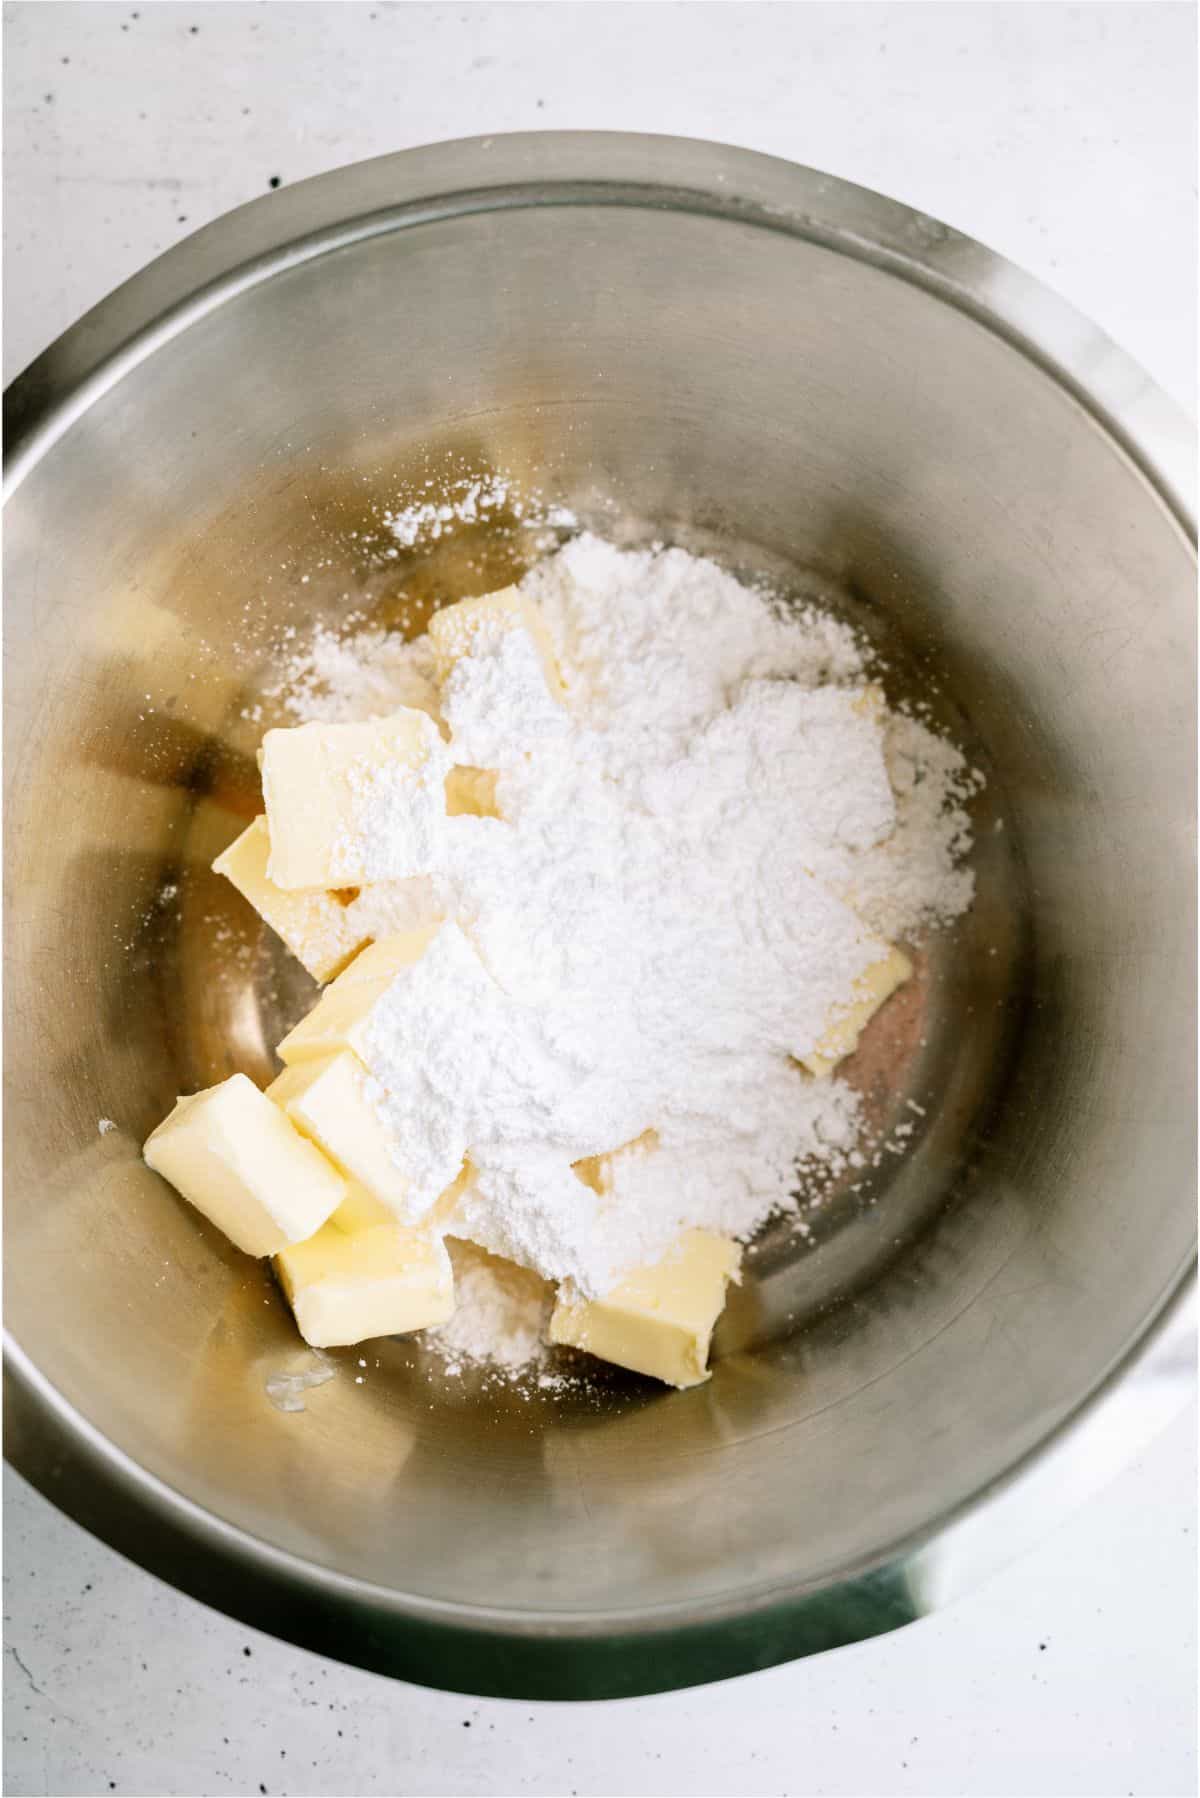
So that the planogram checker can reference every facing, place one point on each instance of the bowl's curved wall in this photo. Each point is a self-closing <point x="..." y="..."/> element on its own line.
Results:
<point x="729" y="368"/>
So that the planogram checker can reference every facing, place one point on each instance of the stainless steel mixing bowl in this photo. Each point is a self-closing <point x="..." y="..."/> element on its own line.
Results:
<point x="735" y="352"/>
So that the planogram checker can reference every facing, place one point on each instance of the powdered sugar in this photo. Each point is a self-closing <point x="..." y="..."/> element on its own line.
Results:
<point x="496" y="703"/>
<point x="914" y="878"/>
<point x="466" y="500"/>
<point x="338" y="680"/>
<point x="500" y="1312"/>
<point x="693" y="862"/>
<point x="397" y="824"/>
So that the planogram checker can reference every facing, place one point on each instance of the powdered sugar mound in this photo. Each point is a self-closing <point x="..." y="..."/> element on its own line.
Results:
<point x="658" y="642"/>
<point x="914" y="879"/>
<point x="397" y="825"/>
<point x="369" y="674"/>
<point x="527" y="1203"/>
<point x="693" y="863"/>
<point x="496" y="703"/>
<point x="776" y="740"/>
<point x="500" y="1312"/>
<point x="390" y="906"/>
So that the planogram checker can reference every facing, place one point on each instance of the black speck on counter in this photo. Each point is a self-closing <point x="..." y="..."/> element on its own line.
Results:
<point x="246" y="1652"/>
<point x="64" y="59"/>
<point x="1042" y="1647"/>
<point x="49" y="98"/>
<point x="466" y="1723"/>
<point x="274" y="181"/>
<point x="193" y="30"/>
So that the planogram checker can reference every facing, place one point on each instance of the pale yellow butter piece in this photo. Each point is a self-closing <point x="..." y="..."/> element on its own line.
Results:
<point x="235" y="1157"/>
<point x="875" y="984"/>
<point x="326" y="1099"/>
<point x="350" y="804"/>
<point x="658" y="1320"/>
<point x="319" y="928"/>
<point x="441" y="1214"/>
<point x="471" y="792"/>
<point x="871" y="703"/>
<point x="361" y="1210"/>
<point x="600" y="1171"/>
<point x="349" y="1287"/>
<point x="340" y="1018"/>
<point x="456" y="629"/>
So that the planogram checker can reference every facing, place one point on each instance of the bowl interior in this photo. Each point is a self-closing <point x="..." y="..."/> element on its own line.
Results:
<point x="734" y="388"/>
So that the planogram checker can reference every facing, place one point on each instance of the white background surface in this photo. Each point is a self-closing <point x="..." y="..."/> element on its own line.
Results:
<point x="1064" y="137"/>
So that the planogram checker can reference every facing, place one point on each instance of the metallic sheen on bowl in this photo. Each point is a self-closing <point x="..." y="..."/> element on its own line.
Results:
<point x="744" y="354"/>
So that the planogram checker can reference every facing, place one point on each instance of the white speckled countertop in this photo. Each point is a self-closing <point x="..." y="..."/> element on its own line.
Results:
<point x="1064" y="136"/>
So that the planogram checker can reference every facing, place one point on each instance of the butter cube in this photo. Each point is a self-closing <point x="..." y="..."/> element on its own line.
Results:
<point x="875" y="984"/>
<point x="871" y="703"/>
<point x="471" y="793"/>
<point x="326" y="1099"/>
<point x="360" y="1210"/>
<point x="600" y="1171"/>
<point x="346" y="1288"/>
<point x="658" y="1320"/>
<point x="235" y="1157"/>
<point x="341" y="1016"/>
<point x="473" y="625"/>
<point x="318" y="928"/>
<point x="348" y="804"/>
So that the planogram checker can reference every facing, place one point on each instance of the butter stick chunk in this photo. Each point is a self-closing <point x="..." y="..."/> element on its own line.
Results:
<point x="871" y="702"/>
<point x="342" y="1014"/>
<point x="361" y="1210"/>
<point x="349" y="804"/>
<point x="346" y="1288"/>
<point x="326" y="1100"/>
<point x="600" y="1171"/>
<point x="659" y="1320"/>
<point x="875" y="984"/>
<point x="474" y="624"/>
<point x="319" y="929"/>
<point x="471" y="793"/>
<point x="235" y="1157"/>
